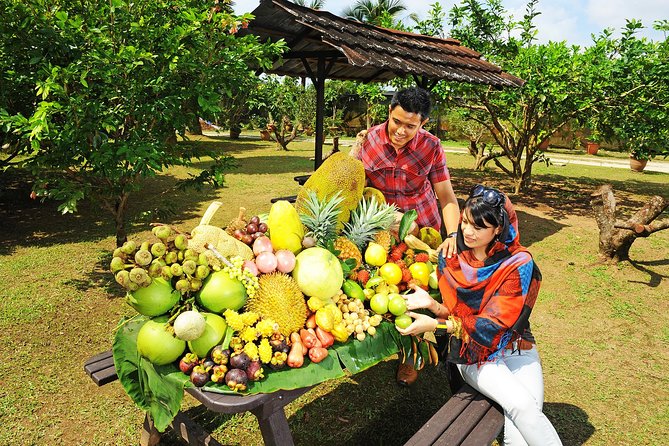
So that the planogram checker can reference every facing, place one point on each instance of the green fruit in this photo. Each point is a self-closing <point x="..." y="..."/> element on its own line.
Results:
<point x="317" y="272"/>
<point x="157" y="344"/>
<point x="379" y="303"/>
<point x="403" y="321"/>
<point x="220" y="292"/>
<point x="156" y="299"/>
<point x="353" y="290"/>
<point x="433" y="282"/>
<point x="396" y="304"/>
<point x="214" y="332"/>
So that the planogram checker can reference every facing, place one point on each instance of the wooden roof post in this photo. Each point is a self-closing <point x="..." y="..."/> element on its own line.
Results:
<point x="320" y="106"/>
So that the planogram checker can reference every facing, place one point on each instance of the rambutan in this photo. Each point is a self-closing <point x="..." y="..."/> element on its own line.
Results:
<point x="421" y="257"/>
<point x="363" y="276"/>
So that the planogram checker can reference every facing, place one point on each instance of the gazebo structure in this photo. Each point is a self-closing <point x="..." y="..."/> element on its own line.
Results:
<point x="324" y="46"/>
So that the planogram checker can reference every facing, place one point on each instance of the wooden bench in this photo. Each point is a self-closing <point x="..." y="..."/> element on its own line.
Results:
<point x="268" y="409"/>
<point x="468" y="419"/>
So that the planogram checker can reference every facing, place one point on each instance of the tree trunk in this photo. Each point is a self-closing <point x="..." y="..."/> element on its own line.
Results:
<point x="616" y="237"/>
<point x="120" y="208"/>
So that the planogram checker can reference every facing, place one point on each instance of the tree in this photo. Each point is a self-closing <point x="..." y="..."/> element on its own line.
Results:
<point x="637" y="110"/>
<point x="313" y="4"/>
<point x="374" y="12"/>
<point x="562" y="83"/>
<point x="114" y="81"/>
<point x="617" y="236"/>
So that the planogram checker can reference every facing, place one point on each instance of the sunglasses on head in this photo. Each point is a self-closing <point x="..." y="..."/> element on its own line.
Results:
<point x="492" y="197"/>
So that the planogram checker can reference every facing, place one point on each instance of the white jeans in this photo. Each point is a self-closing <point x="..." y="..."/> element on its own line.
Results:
<point x="515" y="381"/>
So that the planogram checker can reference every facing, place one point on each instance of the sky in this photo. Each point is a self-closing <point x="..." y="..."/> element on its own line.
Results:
<point x="571" y="20"/>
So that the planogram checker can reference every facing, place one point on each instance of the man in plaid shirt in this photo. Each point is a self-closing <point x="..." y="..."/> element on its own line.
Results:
<point x="407" y="164"/>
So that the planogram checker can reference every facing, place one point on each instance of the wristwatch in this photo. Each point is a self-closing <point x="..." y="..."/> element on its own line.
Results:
<point x="453" y="234"/>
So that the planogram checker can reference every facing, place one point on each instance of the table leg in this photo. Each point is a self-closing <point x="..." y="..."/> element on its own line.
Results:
<point x="274" y="427"/>
<point x="150" y="435"/>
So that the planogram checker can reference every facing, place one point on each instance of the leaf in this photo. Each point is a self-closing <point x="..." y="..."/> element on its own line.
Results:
<point x="357" y="356"/>
<point x="405" y="224"/>
<point x="158" y="390"/>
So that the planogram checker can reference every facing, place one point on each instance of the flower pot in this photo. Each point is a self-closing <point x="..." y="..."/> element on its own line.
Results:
<point x="637" y="165"/>
<point x="592" y="147"/>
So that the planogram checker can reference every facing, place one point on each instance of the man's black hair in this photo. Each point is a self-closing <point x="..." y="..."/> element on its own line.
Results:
<point x="413" y="100"/>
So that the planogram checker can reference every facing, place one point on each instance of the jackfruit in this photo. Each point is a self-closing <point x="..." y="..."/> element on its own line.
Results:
<point x="285" y="227"/>
<point x="339" y="172"/>
<point x="370" y="192"/>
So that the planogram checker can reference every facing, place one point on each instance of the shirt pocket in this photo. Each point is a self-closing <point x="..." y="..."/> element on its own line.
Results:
<point x="415" y="178"/>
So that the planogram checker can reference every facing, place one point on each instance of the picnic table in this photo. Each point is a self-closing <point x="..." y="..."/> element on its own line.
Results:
<point x="466" y="418"/>
<point x="267" y="407"/>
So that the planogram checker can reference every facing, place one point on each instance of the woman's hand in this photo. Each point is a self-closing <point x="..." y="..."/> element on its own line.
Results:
<point x="448" y="247"/>
<point x="422" y="324"/>
<point x="418" y="299"/>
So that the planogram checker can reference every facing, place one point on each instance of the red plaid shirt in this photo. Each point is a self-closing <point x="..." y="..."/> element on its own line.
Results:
<point x="406" y="177"/>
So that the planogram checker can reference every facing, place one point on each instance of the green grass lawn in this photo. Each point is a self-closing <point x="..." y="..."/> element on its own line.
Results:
<point x="602" y="329"/>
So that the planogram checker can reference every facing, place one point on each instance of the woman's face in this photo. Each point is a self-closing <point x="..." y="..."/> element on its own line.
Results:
<point x="475" y="236"/>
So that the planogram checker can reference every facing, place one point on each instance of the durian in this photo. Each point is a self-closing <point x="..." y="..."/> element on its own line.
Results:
<point x="339" y="172"/>
<point x="278" y="297"/>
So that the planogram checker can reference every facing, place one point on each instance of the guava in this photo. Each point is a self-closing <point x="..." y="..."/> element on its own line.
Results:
<point x="214" y="332"/>
<point x="157" y="344"/>
<point x="396" y="304"/>
<point x="375" y="254"/>
<point x="379" y="303"/>
<point x="403" y="321"/>
<point x="189" y="325"/>
<point x="220" y="292"/>
<point x="155" y="299"/>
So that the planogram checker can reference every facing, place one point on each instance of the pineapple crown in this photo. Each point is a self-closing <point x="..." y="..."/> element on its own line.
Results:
<point x="320" y="216"/>
<point x="368" y="218"/>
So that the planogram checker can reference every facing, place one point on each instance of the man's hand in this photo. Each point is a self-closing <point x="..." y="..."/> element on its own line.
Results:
<point x="422" y="324"/>
<point x="448" y="247"/>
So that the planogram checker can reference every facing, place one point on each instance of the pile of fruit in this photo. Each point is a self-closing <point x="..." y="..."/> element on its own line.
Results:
<point x="233" y="303"/>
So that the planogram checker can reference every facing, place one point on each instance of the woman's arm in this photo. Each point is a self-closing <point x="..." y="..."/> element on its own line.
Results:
<point x="421" y="299"/>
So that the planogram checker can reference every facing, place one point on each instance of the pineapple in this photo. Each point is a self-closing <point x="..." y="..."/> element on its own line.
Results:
<point x="367" y="219"/>
<point x="348" y="250"/>
<point x="384" y="238"/>
<point x="320" y="217"/>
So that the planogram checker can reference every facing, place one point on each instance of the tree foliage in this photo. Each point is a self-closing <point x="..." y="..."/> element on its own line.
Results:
<point x="114" y="80"/>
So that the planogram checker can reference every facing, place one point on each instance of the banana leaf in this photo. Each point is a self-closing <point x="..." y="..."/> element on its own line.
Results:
<point x="358" y="356"/>
<point x="156" y="389"/>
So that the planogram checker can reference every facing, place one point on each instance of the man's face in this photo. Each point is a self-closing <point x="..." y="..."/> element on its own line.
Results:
<point x="402" y="126"/>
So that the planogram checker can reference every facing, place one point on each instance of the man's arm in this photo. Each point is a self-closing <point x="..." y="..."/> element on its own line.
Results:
<point x="450" y="212"/>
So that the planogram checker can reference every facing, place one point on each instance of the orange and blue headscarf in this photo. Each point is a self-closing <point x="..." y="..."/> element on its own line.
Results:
<point x="493" y="299"/>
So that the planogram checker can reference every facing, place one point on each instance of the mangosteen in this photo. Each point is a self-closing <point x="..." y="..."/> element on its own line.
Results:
<point x="236" y="379"/>
<point x="199" y="376"/>
<point x="239" y="360"/>
<point x="218" y="373"/>
<point x="220" y="355"/>
<point x="208" y="364"/>
<point x="278" y="361"/>
<point x="278" y="343"/>
<point x="254" y="371"/>
<point x="188" y="362"/>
